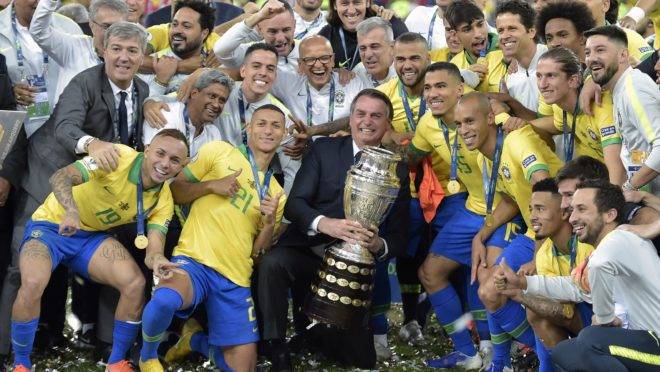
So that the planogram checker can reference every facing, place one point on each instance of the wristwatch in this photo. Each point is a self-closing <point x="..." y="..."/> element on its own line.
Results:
<point x="627" y="186"/>
<point x="87" y="142"/>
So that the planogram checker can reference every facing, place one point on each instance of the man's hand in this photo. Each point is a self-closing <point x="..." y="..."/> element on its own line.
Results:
<point x="24" y="94"/>
<point x="513" y="123"/>
<point x="69" y="224"/>
<point x="479" y="69"/>
<point x="153" y="115"/>
<point x="346" y="230"/>
<point x="268" y="209"/>
<point x="590" y="92"/>
<point x="187" y="85"/>
<point x="372" y="241"/>
<point x="513" y="67"/>
<point x="382" y="12"/>
<point x="345" y="76"/>
<point x="5" y="187"/>
<point x="478" y="257"/>
<point x="226" y="186"/>
<point x="250" y="8"/>
<point x="340" y="133"/>
<point x="528" y="268"/>
<point x="616" y="322"/>
<point x="163" y="268"/>
<point x="211" y="61"/>
<point x="628" y="22"/>
<point x="506" y="281"/>
<point x="164" y="68"/>
<point x="105" y="154"/>
<point x="295" y="149"/>
<point x="270" y="9"/>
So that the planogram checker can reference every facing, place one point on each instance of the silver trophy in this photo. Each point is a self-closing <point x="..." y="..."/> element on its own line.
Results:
<point x="342" y="294"/>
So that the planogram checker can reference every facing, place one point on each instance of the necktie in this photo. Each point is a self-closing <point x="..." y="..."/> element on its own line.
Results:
<point x="357" y="157"/>
<point x="123" y="119"/>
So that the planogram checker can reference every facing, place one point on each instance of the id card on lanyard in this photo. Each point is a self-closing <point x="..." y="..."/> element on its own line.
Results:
<point x="40" y="109"/>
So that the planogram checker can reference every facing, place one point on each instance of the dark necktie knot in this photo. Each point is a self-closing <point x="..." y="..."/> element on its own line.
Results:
<point x="357" y="156"/>
<point x="123" y="119"/>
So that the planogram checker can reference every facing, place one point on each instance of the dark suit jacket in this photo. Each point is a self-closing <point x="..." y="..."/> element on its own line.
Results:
<point x="318" y="189"/>
<point x="86" y="107"/>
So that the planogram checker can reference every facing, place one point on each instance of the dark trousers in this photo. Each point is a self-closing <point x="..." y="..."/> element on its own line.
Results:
<point x="600" y="348"/>
<point x="285" y="268"/>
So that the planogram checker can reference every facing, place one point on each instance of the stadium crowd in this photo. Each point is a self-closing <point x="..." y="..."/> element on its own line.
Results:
<point x="181" y="170"/>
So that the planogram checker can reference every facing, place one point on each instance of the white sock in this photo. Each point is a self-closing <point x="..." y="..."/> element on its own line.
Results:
<point x="86" y="327"/>
<point x="485" y="344"/>
<point x="380" y="339"/>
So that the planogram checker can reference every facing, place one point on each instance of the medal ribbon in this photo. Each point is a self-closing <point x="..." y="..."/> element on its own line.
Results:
<point x="302" y="34"/>
<point x="572" y="250"/>
<point x="241" y="113"/>
<point x="331" y="103"/>
<point x="140" y="206"/>
<point x="261" y="189"/>
<point x="19" y="50"/>
<point x="569" y="137"/>
<point x="412" y="124"/>
<point x="491" y="183"/>
<point x="343" y="45"/>
<point x="453" y="149"/>
<point x="429" y="40"/>
<point x="187" y="124"/>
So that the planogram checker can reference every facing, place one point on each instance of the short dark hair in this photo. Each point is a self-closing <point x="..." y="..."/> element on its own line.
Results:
<point x="575" y="12"/>
<point x="410" y="37"/>
<point x="271" y="107"/>
<point x="448" y="67"/>
<point x="519" y="7"/>
<point x="546" y="185"/>
<point x="608" y="196"/>
<point x="259" y="46"/>
<point x="206" y="12"/>
<point x="377" y="94"/>
<point x="612" y="33"/>
<point x="583" y="168"/>
<point x="333" y="16"/>
<point x="173" y="133"/>
<point x="612" y="14"/>
<point x="569" y="61"/>
<point x="463" y="11"/>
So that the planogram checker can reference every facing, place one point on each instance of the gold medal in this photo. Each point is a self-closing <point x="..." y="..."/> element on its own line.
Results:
<point x="453" y="186"/>
<point x="489" y="220"/>
<point x="141" y="241"/>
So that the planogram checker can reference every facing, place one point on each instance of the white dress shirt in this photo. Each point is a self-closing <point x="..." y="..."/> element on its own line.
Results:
<point x="306" y="29"/>
<point x="361" y="72"/>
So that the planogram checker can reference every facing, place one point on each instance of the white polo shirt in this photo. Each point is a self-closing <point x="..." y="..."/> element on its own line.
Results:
<point x="523" y="85"/>
<point x="419" y="21"/>
<point x="306" y="29"/>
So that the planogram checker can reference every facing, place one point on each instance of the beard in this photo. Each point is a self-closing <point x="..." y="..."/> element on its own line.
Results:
<point x="187" y="49"/>
<point x="607" y="76"/>
<point x="593" y="231"/>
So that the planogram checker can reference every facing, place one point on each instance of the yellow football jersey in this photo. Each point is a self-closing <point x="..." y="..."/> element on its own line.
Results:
<point x="638" y="48"/>
<point x="655" y="18"/>
<point x="220" y="231"/>
<point x="523" y="153"/>
<point x="494" y="61"/>
<point x="441" y="55"/>
<point x="400" y="120"/>
<point x="430" y="138"/>
<point x="106" y="200"/>
<point x="160" y="39"/>
<point x="551" y="262"/>
<point x="592" y="133"/>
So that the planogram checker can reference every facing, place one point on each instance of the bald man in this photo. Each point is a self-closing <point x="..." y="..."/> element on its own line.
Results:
<point x="314" y="94"/>
<point x="512" y="164"/>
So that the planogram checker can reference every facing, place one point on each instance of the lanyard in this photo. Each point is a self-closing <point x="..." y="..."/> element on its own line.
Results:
<point x="453" y="149"/>
<point x="262" y="190"/>
<point x="490" y="184"/>
<point x="141" y="240"/>
<point x="412" y="124"/>
<point x="302" y="34"/>
<point x="19" y="50"/>
<point x="187" y="124"/>
<point x="429" y="40"/>
<point x="343" y="45"/>
<point x="241" y="113"/>
<point x="482" y="54"/>
<point x="569" y="137"/>
<point x="572" y="251"/>
<point x="331" y="103"/>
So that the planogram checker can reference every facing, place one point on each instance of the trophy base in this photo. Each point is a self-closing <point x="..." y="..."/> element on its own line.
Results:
<point x="342" y="294"/>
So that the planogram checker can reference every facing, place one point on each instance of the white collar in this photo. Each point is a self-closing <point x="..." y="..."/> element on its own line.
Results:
<point x="116" y="89"/>
<point x="356" y="149"/>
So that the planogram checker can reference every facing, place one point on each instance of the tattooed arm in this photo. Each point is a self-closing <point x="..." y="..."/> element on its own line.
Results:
<point x="62" y="183"/>
<point x="328" y="128"/>
<point x="555" y="311"/>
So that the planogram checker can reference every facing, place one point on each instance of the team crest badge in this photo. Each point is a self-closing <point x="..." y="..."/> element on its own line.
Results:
<point x="252" y="185"/>
<point x="340" y="97"/>
<point x="592" y="134"/>
<point x="506" y="172"/>
<point x="36" y="234"/>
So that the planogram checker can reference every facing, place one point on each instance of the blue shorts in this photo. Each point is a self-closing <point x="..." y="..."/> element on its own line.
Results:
<point x="230" y="309"/>
<point x="73" y="251"/>
<point x="448" y="206"/>
<point x="586" y="312"/>
<point x="455" y="239"/>
<point x="519" y="252"/>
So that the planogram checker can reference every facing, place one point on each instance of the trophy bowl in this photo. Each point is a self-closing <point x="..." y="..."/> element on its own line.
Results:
<point x="341" y="295"/>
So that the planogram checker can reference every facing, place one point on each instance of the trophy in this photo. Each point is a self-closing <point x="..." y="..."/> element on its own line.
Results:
<point x="341" y="295"/>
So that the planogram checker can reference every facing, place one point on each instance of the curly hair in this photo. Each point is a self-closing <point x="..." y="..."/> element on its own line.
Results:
<point x="574" y="11"/>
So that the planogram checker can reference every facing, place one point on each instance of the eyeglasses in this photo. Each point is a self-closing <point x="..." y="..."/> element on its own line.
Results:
<point x="104" y="26"/>
<point x="311" y="61"/>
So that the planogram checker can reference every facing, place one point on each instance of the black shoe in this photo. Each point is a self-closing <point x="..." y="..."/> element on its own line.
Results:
<point x="85" y="341"/>
<point x="281" y="362"/>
